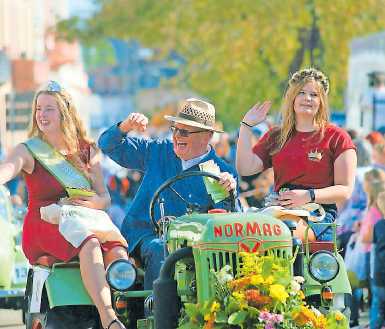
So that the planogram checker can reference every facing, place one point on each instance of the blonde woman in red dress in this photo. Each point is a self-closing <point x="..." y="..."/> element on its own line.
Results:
<point x="56" y="122"/>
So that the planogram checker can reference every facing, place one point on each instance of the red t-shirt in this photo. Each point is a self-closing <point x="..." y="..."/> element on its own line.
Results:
<point x="306" y="159"/>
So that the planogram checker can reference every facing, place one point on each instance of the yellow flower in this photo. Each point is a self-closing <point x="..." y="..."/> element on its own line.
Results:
<point x="307" y="316"/>
<point x="215" y="307"/>
<point x="301" y="294"/>
<point x="269" y="279"/>
<point x="278" y="291"/>
<point x="256" y="279"/>
<point x="239" y="296"/>
<point x="320" y="322"/>
<point x="339" y="316"/>
<point x="210" y="318"/>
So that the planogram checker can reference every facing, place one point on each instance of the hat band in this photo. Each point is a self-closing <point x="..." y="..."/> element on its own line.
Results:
<point x="207" y="122"/>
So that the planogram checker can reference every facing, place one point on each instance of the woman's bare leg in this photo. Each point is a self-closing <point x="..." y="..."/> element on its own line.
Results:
<point x="94" y="280"/>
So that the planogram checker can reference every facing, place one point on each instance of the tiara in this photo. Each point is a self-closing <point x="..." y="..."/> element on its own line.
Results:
<point x="311" y="73"/>
<point x="52" y="86"/>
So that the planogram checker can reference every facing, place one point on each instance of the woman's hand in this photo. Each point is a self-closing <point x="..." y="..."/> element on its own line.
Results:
<point x="293" y="198"/>
<point x="257" y="113"/>
<point x="135" y="121"/>
<point x="95" y="201"/>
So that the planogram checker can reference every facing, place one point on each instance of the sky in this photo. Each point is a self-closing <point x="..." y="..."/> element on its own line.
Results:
<point x="82" y="8"/>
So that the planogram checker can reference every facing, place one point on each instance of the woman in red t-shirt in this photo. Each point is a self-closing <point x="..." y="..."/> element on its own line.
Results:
<point x="314" y="159"/>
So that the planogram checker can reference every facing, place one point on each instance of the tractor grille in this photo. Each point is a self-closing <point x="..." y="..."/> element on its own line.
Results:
<point x="217" y="260"/>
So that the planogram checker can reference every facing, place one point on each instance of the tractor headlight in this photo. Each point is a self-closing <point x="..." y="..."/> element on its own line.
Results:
<point x="323" y="266"/>
<point x="121" y="275"/>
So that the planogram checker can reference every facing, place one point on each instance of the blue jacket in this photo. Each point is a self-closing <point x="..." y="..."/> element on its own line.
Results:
<point x="157" y="160"/>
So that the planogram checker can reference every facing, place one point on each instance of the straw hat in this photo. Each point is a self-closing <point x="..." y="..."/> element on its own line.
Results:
<point x="196" y="113"/>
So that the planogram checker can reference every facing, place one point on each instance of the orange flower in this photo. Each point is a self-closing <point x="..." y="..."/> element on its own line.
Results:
<point x="239" y="283"/>
<point x="210" y="319"/>
<point x="304" y="316"/>
<point x="255" y="299"/>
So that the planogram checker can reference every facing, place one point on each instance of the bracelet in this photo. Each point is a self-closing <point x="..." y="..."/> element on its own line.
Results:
<point x="246" y="124"/>
<point x="312" y="195"/>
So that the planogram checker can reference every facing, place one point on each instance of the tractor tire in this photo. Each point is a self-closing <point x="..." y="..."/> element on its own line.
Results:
<point x="64" y="317"/>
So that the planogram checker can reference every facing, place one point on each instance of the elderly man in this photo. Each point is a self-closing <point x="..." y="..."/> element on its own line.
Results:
<point x="160" y="160"/>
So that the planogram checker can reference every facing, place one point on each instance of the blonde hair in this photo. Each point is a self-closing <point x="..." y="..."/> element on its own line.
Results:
<point x="295" y="85"/>
<point x="381" y="203"/>
<point x="375" y="179"/>
<point x="380" y="148"/>
<point x="71" y="125"/>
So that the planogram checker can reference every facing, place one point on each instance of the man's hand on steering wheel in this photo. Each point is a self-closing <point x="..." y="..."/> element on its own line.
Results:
<point x="227" y="181"/>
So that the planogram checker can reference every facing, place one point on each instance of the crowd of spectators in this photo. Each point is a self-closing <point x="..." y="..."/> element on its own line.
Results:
<point x="357" y="219"/>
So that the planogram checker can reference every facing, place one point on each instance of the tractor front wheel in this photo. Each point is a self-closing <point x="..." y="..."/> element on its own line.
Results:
<point x="64" y="317"/>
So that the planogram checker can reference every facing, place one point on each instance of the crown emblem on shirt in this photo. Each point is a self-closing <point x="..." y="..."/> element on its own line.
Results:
<point x="314" y="155"/>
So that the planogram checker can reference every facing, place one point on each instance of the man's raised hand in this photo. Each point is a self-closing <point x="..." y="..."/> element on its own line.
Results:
<point x="134" y="121"/>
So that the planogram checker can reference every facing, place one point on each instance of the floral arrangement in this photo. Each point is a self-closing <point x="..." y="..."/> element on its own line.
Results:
<point x="262" y="296"/>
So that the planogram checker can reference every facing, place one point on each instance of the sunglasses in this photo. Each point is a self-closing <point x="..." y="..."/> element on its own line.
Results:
<point x="184" y="132"/>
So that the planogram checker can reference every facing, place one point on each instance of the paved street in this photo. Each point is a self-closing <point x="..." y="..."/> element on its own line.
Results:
<point x="10" y="319"/>
<point x="364" y="319"/>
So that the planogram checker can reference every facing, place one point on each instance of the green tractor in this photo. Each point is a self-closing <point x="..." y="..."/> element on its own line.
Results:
<point x="202" y="248"/>
<point x="14" y="265"/>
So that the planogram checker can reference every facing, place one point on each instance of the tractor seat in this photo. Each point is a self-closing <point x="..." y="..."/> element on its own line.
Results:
<point x="315" y="246"/>
<point x="48" y="260"/>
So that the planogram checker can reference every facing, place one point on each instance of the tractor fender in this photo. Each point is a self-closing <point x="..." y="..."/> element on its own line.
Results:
<point x="63" y="285"/>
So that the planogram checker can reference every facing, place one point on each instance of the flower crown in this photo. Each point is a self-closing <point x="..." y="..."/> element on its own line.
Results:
<point x="310" y="73"/>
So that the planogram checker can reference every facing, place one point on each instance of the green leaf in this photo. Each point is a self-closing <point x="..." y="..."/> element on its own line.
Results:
<point x="266" y="267"/>
<point x="192" y="310"/>
<point x="237" y="318"/>
<point x="232" y="305"/>
<point x="221" y="317"/>
<point x="190" y="326"/>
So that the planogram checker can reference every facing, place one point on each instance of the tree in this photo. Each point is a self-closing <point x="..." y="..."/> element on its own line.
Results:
<point x="240" y="51"/>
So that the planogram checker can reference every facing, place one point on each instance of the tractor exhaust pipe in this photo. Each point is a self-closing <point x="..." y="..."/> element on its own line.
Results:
<point x="166" y="306"/>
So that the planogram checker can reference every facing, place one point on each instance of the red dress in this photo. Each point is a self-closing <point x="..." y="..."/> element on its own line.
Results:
<point x="40" y="237"/>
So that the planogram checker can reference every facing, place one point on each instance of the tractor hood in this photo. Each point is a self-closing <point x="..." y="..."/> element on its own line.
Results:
<point x="231" y="228"/>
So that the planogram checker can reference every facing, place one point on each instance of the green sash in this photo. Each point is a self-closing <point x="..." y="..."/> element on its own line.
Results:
<point x="73" y="181"/>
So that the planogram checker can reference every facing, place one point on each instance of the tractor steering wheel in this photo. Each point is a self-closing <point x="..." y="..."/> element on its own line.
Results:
<point x="191" y="206"/>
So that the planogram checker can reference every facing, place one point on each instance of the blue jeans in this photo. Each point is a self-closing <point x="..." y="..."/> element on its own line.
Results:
<point x="151" y="253"/>
<point x="356" y="302"/>
<point x="323" y="232"/>
<point x="377" y="309"/>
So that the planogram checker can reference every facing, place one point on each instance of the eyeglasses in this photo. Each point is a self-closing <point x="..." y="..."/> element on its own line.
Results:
<point x="184" y="132"/>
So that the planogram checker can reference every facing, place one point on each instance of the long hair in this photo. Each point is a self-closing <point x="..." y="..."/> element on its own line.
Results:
<point x="375" y="182"/>
<point x="71" y="125"/>
<point x="295" y="85"/>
